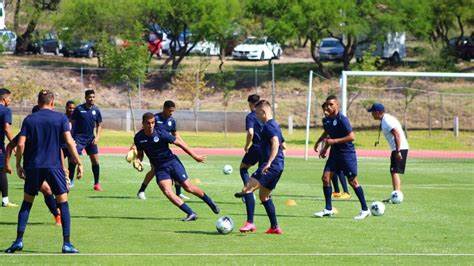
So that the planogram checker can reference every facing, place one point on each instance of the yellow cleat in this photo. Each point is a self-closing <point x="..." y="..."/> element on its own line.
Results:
<point x="345" y="196"/>
<point x="9" y="205"/>
<point x="336" y="195"/>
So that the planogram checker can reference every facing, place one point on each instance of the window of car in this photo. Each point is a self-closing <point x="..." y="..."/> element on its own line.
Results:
<point x="254" y="41"/>
<point x="330" y="43"/>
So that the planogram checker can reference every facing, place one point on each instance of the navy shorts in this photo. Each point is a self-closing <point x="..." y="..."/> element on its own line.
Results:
<point x="252" y="156"/>
<point x="270" y="179"/>
<point x="2" y="156"/>
<point x="173" y="169"/>
<point x="347" y="163"/>
<point x="36" y="176"/>
<point x="88" y="145"/>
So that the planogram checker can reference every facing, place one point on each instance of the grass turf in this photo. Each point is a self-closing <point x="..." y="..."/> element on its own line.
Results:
<point x="436" y="217"/>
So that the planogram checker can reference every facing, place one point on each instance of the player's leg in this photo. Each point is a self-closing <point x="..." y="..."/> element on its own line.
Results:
<point x="327" y="190"/>
<point x="397" y="167"/>
<point x="165" y="183"/>
<point x="4" y="189"/>
<point x="267" y="202"/>
<point x="244" y="172"/>
<point x="247" y="193"/>
<point x="360" y="195"/>
<point x="250" y="159"/>
<point x="195" y="190"/>
<point x="50" y="202"/>
<point x="335" y="185"/>
<point x="342" y="179"/>
<point x="148" y="177"/>
<point x="179" y="191"/>
<point x="396" y="183"/>
<point x="95" y="170"/>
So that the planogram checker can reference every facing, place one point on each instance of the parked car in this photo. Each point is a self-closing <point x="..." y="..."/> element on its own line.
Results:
<point x="206" y="48"/>
<point x="48" y="43"/>
<point x="79" y="49"/>
<point x="330" y="49"/>
<point x="464" y="48"/>
<point x="257" y="49"/>
<point x="8" y="40"/>
<point x="392" y="48"/>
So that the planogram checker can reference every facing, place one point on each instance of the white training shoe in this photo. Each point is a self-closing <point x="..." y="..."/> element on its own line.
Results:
<point x="141" y="195"/>
<point x="324" y="213"/>
<point x="362" y="215"/>
<point x="184" y="196"/>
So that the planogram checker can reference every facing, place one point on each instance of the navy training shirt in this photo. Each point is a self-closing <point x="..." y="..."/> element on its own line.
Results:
<point x="85" y="120"/>
<point x="5" y="117"/>
<point x="169" y="124"/>
<point x="339" y="127"/>
<point x="44" y="132"/>
<point x="251" y="121"/>
<point x="270" y="130"/>
<point x="156" y="146"/>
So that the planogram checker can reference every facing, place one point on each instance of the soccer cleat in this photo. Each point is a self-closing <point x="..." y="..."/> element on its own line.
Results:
<point x="324" y="213"/>
<point x="98" y="187"/>
<point x="239" y="194"/>
<point x="190" y="217"/>
<point x="57" y="219"/>
<point x="215" y="209"/>
<point x="9" y="205"/>
<point x="276" y="231"/>
<point x="182" y="196"/>
<point x="16" y="246"/>
<point x="248" y="227"/>
<point x="345" y="196"/>
<point x="71" y="185"/>
<point x="336" y="195"/>
<point x="387" y="200"/>
<point x="141" y="195"/>
<point x="69" y="249"/>
<point x="362" y="215"/>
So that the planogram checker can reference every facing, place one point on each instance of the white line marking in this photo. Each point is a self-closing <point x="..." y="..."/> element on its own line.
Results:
<point x="253" y="254"/>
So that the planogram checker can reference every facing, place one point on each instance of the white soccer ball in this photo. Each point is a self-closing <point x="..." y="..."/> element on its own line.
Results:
<point x="227" y="170"/>
<point x="225" y="225"/>
<point x="377" y="208"/>
<point x="396" y="197"/>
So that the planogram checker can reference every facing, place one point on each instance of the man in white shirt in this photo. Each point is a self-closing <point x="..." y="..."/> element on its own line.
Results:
<point x="393" y="132"/>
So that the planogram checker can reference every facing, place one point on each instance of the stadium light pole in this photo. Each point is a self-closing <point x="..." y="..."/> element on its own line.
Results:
<point x="273" y="89"/>
<point x="308" y="114"/>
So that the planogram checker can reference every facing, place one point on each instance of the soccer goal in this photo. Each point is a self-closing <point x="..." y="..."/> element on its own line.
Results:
<point x="434" y="106"/>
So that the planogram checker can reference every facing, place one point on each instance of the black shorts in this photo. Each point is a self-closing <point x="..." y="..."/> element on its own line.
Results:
<point x="397" y="166"/>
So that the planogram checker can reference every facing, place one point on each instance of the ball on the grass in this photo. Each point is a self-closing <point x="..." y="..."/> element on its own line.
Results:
<point x="225" y="225"/>
<point x="377" y="208"/>
<point x="227" y="170"/>
<point x="396" y="197"/>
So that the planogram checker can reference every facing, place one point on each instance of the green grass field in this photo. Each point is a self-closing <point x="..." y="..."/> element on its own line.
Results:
<point x="435" y="218"/>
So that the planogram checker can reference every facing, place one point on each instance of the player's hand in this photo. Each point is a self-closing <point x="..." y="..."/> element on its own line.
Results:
<point x="20" y="172"/>
<point x="266" y="167"/>
<point x="315" y="148"/>
<point x="96" y="140"/>
<point x="399" y="156"/>
<point x="137" y="164"/>
<point x="323" y="153"/>
<point x="7" y="170"/>
<point x="66" y="172"/>
<point x="246" y="149"/>
<point x="80" y="171"/>
<point x="200" y="158"/>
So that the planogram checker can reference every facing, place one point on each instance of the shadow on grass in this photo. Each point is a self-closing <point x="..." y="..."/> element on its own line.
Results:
<point x="123" y="217"/>
<point x="14" y="223"/>
<point x="112" y="197"/>
<point x="217" y="202"/>
<point x="278" y="215"/>
<point x="197" y="232"/>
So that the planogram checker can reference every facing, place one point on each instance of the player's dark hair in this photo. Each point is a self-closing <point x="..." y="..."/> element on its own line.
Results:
<point x="70" y="102"/>
<point x="331" y="97"/>
<point x="4" y="92"/>
<point x="45" y="97"/>
<point x="89" y="92"/>
<point x="263" y="103"/>
<point x="147" y="116"/>
<point x="324" y="105"/>
<point x="169" y="104"/>
<point x="253" y="99"/>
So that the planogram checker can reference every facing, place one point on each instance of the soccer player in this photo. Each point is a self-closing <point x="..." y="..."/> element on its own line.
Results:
<point x="342" y="157"/>
<point x="268" y="173"/>
<point x="166" y="121"/>
<point x="39" y="148"/>
<point x="5" y="131"/>
<point x="395" y="136"/>
<point x="85" y="118"/>
<point x="252" y="143"/>
<point x="70" y="106"/>
<point x="154" y="142"/>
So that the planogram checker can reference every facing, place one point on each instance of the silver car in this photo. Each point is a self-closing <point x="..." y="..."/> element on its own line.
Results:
<point x="8" y="40"/>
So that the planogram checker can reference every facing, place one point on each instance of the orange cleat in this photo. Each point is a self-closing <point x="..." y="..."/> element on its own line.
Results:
<point x="276" y="231"/>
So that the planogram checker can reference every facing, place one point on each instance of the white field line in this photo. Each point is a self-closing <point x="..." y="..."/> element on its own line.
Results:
<point x="251" y="254"/>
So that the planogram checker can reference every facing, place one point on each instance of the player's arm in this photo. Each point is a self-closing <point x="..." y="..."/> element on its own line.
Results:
<point x="8" y="131"/>
<point x="275" y="144"/>
<point x="248" y="140"/>
<point x="177" y="135"/>
<point x="350" y="137"/>
<point x="8" y="154"/>
<point x="71" y="146"/>
<point x="140" y="155"/>
<point x="321" y="138"/>
<point x="186" y="149"/>
<point x="19" y="156"/>
<point x="98" y="130"/>
<point x="397" y="138"/>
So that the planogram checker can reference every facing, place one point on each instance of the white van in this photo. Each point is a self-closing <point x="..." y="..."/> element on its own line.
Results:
<point x="392" y="48"/>
<point x="2" y="16"/>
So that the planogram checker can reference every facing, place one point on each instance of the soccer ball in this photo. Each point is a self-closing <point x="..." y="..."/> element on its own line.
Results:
<point x="377" y="208"/>
<point x="224" y="225"/>
<point x="396" y="197"/>
<point x="227" y="170"/>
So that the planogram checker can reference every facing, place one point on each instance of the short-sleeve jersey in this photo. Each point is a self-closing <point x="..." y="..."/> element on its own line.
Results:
<point x="339" y="127"/>
<point x="5" y="118"/>
<point x="251" y="121"/>
<point x="270" y="130"/>
<point x="169" y="124"/>
<point x="389" y="122"/>
<point x="85" y="119"/>
<point x="156" y="146"/>
<point x="43" y="131"/>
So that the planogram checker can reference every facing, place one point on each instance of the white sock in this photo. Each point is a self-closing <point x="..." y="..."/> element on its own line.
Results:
<point x="5" y="200"/>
